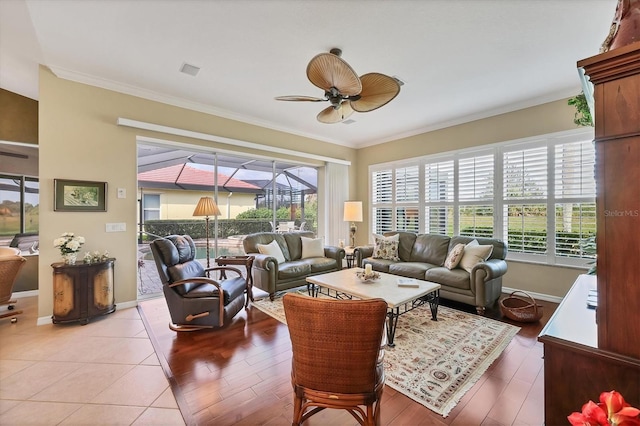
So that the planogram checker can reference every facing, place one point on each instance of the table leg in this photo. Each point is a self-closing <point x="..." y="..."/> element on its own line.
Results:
<point x="392" y="317"/>
<point x="249" y="264"/>
<point x="312" y="289"/>
<point x="433" y="299"/>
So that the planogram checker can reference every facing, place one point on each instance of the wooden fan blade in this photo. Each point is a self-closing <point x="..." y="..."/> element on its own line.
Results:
<point x="327" y="70"/>
<point x="331" y="115"/>
<point x="300" y="98"/>
<point x="377" y="90"/>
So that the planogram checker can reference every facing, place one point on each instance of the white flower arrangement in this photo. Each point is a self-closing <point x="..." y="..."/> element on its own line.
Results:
<point x="68" y="243"/>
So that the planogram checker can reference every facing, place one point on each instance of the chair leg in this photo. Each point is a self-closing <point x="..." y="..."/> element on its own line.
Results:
<point x="297" y="410"/>
<point x="480" y="310"/>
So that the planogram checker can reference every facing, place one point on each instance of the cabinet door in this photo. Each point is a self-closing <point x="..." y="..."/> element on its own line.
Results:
<point x="66" y="301"/>
<point x="102" y="289"/>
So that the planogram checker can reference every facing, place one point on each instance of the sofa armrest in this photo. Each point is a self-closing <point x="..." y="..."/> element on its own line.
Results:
<point x="492" y="268"/>
<point x="337" y="253"/>
<point x="362" y="252"/>
<point x="265" y="272"/>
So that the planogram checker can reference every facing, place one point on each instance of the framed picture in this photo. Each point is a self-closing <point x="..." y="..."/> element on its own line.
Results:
<point x="79" y="196"/>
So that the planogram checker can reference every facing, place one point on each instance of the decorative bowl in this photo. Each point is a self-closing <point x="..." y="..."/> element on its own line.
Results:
<point x="367" y="278"/>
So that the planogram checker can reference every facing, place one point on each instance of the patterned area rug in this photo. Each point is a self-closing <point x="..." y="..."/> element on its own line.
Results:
<point x="434" y="363"/>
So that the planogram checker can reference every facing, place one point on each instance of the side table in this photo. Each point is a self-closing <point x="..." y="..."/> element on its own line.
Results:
<point x="350" y="256"/>
<point x="247" y="261"/>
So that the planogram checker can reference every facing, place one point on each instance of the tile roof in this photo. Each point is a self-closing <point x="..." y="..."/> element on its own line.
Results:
<point x="185" y="175"/>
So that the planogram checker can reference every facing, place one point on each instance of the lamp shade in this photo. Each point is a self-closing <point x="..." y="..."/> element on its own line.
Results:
<point x="206" y="207"/>
<point x="353" y="211"/>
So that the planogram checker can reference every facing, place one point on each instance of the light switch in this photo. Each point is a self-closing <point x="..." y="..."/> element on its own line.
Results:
<point x="122" y="193"/>
<point x="116" y="227"/>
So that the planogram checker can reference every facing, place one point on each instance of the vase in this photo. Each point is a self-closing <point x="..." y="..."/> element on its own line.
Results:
<point x="70" y="258"/>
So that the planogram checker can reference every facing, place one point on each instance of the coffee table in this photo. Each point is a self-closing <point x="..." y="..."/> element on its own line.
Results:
<point x="346" y="285"/>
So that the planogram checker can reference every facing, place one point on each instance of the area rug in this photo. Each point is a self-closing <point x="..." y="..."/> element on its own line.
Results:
<point x="434" y="362"/>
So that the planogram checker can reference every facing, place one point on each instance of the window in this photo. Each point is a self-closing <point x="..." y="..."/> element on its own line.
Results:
<point x="19" y="204"/>
<point x="537" y="194"/>
<point x="151" y="206"/>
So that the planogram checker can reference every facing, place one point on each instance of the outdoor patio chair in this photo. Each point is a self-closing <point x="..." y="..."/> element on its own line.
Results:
<point x="194" y="300"/>
<point x="337" y="355"/>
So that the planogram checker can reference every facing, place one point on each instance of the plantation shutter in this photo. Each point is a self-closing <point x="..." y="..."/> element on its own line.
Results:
<point x="575" y="191"/>
<point x="382" y="197"/>
<point x="475" y="195"/>
<point x="439" y="196"/>
<point x="525" y="199"/>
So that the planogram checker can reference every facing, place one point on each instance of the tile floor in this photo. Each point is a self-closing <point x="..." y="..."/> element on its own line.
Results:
<point x="105" y="372"/>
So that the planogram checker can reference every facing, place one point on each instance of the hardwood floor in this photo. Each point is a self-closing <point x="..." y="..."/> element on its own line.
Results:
<point x="241" y="375"/>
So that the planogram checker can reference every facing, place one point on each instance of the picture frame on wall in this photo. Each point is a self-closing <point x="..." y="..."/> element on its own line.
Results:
<point x="79" y="196"/>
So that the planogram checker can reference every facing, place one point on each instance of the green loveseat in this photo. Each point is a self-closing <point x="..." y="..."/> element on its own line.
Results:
<point x="271" y="276"/>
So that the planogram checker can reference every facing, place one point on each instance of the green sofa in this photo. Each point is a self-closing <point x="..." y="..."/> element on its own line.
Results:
<point x="271" y="276"/>
<point x="422" y="256"/>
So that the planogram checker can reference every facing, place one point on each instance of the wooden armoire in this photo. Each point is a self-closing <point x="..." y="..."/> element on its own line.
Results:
<point x="587" y="353"/>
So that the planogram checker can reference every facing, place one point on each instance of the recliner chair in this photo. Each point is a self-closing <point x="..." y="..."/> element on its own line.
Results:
<point x="194" y="300"/>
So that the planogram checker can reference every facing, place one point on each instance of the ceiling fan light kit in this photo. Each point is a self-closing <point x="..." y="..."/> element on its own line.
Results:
<point x="344" y="89"/>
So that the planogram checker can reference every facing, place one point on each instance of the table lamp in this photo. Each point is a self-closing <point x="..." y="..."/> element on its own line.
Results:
<point x="353" y="213"/>
<point x="206" y="207"/>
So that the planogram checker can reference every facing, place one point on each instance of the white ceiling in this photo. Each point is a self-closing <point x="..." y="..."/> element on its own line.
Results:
<point x="460" y="60"/>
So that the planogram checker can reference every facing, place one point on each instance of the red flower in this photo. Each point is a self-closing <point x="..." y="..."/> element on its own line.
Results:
<point x="592" y="415"/>
<point x="612" y="410"/>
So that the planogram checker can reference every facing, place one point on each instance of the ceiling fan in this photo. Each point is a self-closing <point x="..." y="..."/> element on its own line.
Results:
<point x="344" y="89"/>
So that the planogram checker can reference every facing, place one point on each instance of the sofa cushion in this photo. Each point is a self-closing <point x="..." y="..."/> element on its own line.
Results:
<point x="272" y="249"/>
<point x="456" y="278"/>
<point x="381" y="265"/>
<point x="312" y="247"/>
<point x="321" y="264"/>
<point x="454" y="256"/>
<point x="407" y="239"/>
<point x="473" y="254"/>
<point x="293" y="269"/>
<point x="430" y="248"/>
<point x="410" y="269"/>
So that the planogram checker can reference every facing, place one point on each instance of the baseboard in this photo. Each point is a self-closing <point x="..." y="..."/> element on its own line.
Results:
<point x="535" y="295"/>
<point x="122" y="305"/>
<point x="28" y="293"/>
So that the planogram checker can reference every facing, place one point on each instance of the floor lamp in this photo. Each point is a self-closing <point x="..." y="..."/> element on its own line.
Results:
<point x="206" y="207"/>
<point x="353" y="213"/>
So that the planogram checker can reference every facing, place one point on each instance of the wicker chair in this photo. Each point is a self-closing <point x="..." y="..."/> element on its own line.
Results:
<point x="10" y="265"/>
<point x="338" y="349"/>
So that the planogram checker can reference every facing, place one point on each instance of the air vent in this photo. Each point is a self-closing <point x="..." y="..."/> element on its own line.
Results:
<point x="192" y="70"/>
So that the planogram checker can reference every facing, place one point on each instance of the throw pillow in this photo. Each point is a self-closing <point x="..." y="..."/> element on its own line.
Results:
<point x="386" y="249"/>
<point x="473" y="254"/>
<point x="272" y="249"/>
<point x="454" y="256"/>
<point x="312" y="247"/>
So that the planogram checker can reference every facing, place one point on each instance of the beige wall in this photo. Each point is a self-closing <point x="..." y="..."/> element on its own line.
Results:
<point x="547" y="118"/>
<point x="179" y="204"/>
<point x="79" y="139"/>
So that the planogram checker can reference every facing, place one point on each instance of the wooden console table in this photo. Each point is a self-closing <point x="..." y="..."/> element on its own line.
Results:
<point x="575" y="369"/>
<point x="82" y="291"/>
